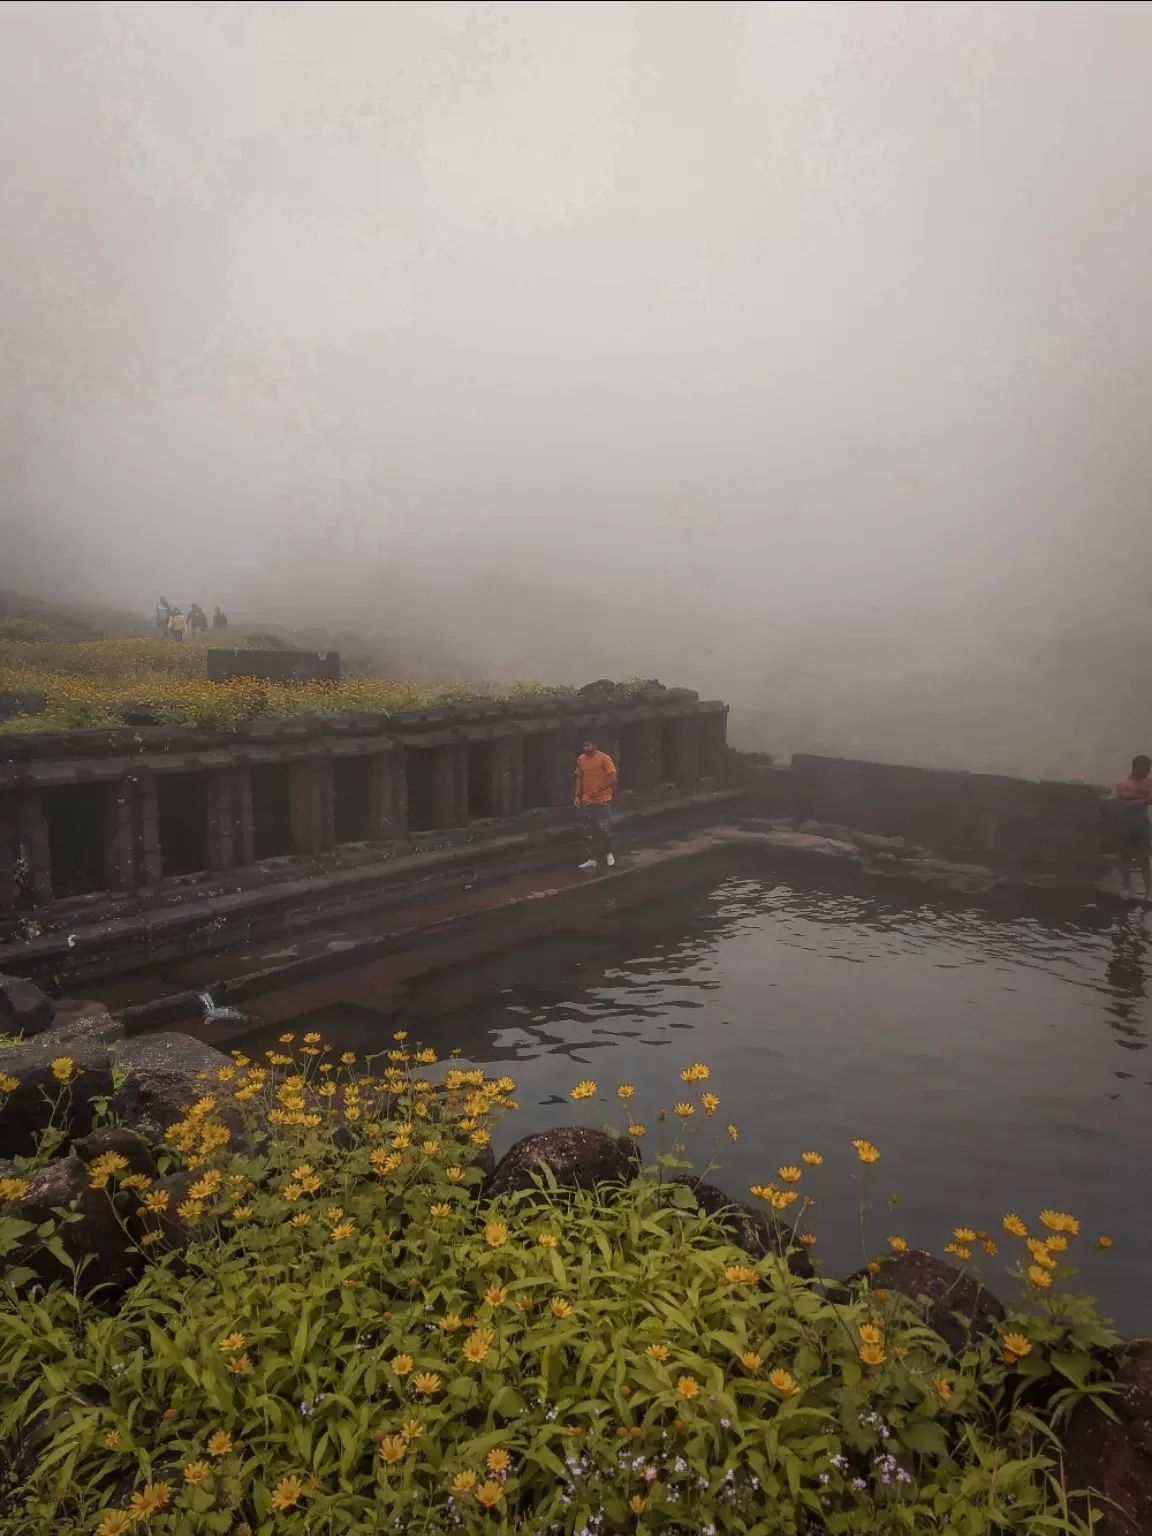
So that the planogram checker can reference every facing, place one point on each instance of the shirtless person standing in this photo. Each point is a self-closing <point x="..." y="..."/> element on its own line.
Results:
<point x="1135" y="796"/>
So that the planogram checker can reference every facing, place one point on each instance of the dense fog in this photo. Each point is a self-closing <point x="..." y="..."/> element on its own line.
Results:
<point x="796" y="352"/>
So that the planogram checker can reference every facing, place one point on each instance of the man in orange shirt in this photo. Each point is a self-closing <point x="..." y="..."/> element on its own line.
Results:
<point x="595" y="789"/>
<point x="1135" y="832"/>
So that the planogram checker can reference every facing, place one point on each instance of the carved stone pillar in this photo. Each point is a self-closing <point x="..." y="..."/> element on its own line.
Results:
<point x="506" y="771"/>
<point x="445" y="787"/>
<point x="687" y="751"/>
<point x="311" y="805"/>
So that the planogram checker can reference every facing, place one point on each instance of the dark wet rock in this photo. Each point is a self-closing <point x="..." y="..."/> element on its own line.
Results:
<point x="952" y="1303"/>
<point x="29" y="1107"/>
<point x="77" y="1020"/>
<point x="757" y="1232"/>
<point x="166" y="1074"/>
<point x="114" y="1138"/>
<point x="96" y="1239"/>
<point x="1134" y="1379"/>
<point x="1113" y="1460"/>
<point x="1103" y="1457"/>
<point x="24" y="1009"/>
<point x="578" y="1156"/>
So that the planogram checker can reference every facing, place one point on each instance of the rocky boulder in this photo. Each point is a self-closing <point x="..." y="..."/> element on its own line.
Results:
<point x="578" y="1156"/>
<point x="92" y="1238"/>
<point x="757" y="1232"/>
<point x="1114" y="1459"/>
<point x="77" y="1020"/>
<point x="24" y="1009"/>
<point x="952" y="1303"/>
<point x="166" y="1074"/>
<point x="114" y="1138"/>
<point x="31" y="1102"/>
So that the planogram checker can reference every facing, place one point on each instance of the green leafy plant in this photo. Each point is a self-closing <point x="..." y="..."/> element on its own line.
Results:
<point x="334" y="1332"/>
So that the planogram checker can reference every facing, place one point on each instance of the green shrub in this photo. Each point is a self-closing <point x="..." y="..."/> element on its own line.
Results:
<point x="355" y="1342"/>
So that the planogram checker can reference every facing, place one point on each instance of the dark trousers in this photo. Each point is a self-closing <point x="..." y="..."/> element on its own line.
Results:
<point x="597" y="820"/>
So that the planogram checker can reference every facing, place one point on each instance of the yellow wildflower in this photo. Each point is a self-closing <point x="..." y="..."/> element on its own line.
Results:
<point x="231" y="1342"/>
<point x="751" y="1361"/>
<point x="1013" y="1225"/>
<point x="489" y="1494"/>
<point x="464" y="1481"/>
<point x="1103" y="1242"/>
<point x="898" y="1244"/>
<point x="13" y="1189"/>
<point x="548" y="1240"/>
<point x="734" y="1133"/>
<point x="710" y="1102"/>
<point x="8" y="1083"/>
<point x="343" y="1229"/>
<point x="869" y="1333"/>
<point x="789" y="1173"/>
<point x="219" y="1444"/>
<point x="813" y="1159"/>
<point x="454" y="1175"/>
<point x="476" y="1348"/>
<point x="393" y="1449"/>
<point x="498" y="1461"/>
<point x="1060" y="1221"/>
<point x="872" y="1354"/>
<point x="450" y="1322"/>
<point x="426" y="1382"/>
<point x="688" y="1386"/>
<point x="865" y="1151"/>
<point x="784" y="1382"/>
<point x="586" y="1089"/>
<point x="943" y="1387"/>
<point x="114" y="1523"/>
<point x="152" y="1496"/>
<point x="658" y="1351"/>
<point x="741" y="1274"/>
<point x="195" y="1472"/>
<point x="560" y="1307"/>
<point x="625" y="1091"/>
<point x="300" y="1220"/>
<point x="287" y="1492"/>
<point x="636" y="1130"/>
<point x="496" y="1234"/>
<point x="63" y="1068"/>
<point x="964" y="1235"/>
<point x="101" y="1168"/>
<point x="441" y="1208"/>
<point x="496" y="1295"/>
<point x="684" y="1109"/>
<point x="402" y="1364"/>
<point x="239" y="1365"/>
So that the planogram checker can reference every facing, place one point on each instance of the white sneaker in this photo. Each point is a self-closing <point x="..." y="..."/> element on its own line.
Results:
<point x="611" y="860"/>
<point x="588" y="864"/>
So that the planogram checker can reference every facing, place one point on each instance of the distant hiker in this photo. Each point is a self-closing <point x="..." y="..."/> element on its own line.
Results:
<point x="163" y="614"/>
<point x="176" y="624"/>
<point x="219" y="620"/>
<point x="197" y="619"/>
<point x="595" y="789"/>
<point x="1135" y="843"/>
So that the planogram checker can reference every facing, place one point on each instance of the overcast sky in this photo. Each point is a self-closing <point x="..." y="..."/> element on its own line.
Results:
<point x="793" y="320"/>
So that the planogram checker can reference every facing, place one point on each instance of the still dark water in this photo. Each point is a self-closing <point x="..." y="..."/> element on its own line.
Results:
<point x="995" y="1058"/>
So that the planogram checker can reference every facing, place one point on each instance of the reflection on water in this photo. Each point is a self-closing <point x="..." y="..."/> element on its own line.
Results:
<point x="975" y="1043"/>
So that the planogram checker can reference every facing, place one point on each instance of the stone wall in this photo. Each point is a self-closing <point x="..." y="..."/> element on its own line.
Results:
<point x="989" y="819"/>
<point x="133" y="811"/>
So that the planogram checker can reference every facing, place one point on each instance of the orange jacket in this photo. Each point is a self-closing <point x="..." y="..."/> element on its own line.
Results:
<point x="595" y="779"/>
